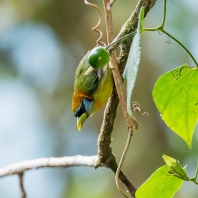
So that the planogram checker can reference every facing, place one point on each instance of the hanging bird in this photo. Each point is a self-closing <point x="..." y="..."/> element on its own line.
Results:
<point x="91" y="91"/>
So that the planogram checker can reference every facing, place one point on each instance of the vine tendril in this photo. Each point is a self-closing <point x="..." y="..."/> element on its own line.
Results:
<point x="99" y="42"/>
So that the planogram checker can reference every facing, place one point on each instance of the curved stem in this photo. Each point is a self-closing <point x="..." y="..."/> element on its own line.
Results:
<point x="196" y="174"/>
<point x="194" y="179"/>
<point x="180" y="43"/>
<point x="161" y="28"/>
<point x="164" y="18"/>
<point x="130" y="134"/>
<point x="99" y="42"/>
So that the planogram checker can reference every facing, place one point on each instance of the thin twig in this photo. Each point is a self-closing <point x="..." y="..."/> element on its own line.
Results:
<point x="105" y="156"/>
<point x="23" y="193"/>
<point x="99" y="42"/>
<point x="117" y="175"/>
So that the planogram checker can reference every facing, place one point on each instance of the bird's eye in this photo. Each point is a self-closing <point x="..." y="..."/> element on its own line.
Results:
<point x="98" y="57"/>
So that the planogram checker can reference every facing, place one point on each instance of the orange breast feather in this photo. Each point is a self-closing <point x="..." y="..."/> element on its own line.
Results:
<point x="77" y="100"/>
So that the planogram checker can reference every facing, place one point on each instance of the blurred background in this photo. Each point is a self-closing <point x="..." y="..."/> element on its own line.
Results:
<point x="41" y="44"/>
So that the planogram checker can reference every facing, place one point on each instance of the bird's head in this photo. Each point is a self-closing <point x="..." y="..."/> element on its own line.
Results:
<point x="82" y="108"/>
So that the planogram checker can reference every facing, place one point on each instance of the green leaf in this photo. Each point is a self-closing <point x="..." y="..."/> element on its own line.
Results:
<point x="141" y="18"/>
<point x="175" y="166"/>
<point x="133" y="62"/>
<point x="160" y="184"/>
<point x="175" y="96"/>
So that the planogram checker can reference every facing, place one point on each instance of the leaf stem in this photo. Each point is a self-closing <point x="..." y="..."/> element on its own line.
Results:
<point x="161" y="28"/>
<point x="181" y="44"/>
<point x="164" y="18"/>
<point x="194" y="179"/>
<point x="196" y="174"/>
<point x="158" y="28"/>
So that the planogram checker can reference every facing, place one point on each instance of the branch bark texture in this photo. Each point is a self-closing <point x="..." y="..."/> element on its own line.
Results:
<point x="105" y="156"/>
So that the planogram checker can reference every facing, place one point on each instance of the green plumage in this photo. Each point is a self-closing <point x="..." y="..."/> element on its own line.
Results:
<point x="91" y="90"/>
<point x="87" y="84"/>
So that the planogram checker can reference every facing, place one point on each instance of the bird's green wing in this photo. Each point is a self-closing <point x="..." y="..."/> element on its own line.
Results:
<point x="86" y="84"/>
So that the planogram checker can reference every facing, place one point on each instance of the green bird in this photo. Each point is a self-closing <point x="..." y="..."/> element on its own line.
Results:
<point x="91" y="90"/>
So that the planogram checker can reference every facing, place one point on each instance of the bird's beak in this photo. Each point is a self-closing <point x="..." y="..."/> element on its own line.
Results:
<point x="81" y="120"/>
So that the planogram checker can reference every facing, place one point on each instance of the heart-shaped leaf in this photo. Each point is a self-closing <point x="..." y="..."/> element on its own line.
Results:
<point x="176" y="96"/>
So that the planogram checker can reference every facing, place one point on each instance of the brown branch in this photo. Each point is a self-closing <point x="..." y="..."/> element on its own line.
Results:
<point x="20" y="167"/>
<point x="23" y="193"/>
<point x="105" y="156"/>
<point x="132" y="124"/>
